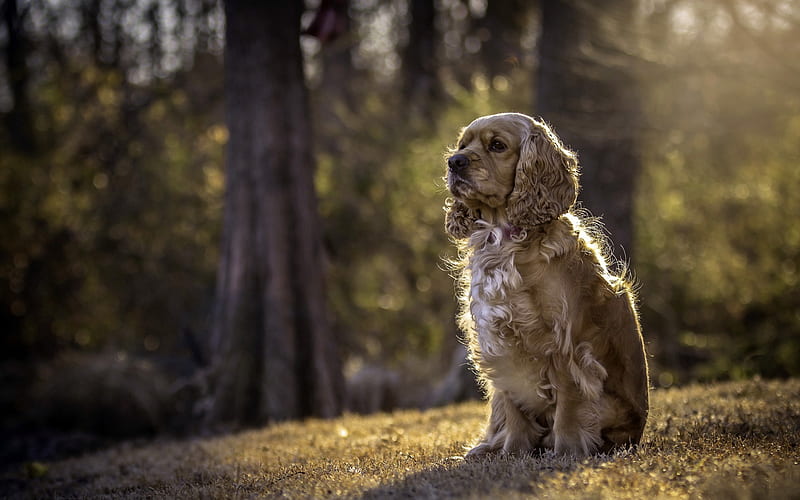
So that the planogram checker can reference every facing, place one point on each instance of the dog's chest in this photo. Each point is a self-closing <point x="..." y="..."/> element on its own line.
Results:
<point x="502" y="307"/>
<point x="511" y="329"/>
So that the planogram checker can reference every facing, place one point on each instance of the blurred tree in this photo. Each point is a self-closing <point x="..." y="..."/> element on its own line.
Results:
<point x="586" y="87"/>
<point x="500" y="32"/>
<point x="19" y="120"/>
<point x="275" y="357"/>
<point x="110" y="215"/>
<point x="421" y="87"/>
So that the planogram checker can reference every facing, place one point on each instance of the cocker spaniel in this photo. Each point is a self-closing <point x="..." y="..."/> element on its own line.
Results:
<point x="552" y="332"/>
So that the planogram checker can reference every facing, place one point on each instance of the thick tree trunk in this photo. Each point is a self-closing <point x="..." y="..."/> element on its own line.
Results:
<point x="275" y="357"/>
<point x="586" y="87"/>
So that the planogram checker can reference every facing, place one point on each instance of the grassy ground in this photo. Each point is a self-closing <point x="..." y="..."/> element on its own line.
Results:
<point x="731" y="440"/>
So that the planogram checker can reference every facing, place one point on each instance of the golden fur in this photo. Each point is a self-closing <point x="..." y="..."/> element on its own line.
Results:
<point x="552" y="333"/>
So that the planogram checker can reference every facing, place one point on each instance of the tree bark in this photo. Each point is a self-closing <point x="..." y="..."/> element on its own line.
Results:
<point x="587" y="88"/>
<point x="275" y="356"/>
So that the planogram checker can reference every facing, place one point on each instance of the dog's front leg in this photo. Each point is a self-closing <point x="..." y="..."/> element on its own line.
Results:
<point x="509" y="429"/>
<point x="522" y="433"/>
<point x="494" y="437"/>
<point x="576" y="426"/>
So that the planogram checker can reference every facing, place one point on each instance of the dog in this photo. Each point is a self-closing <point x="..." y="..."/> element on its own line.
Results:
<point x="553" y="333"/>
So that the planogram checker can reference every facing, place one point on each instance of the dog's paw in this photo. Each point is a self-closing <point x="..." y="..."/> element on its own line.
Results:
<point x="523" y="444"/>
<point x="579" y="443"/>
<point x="480" y="451"/>
<point x="517" y="446"/>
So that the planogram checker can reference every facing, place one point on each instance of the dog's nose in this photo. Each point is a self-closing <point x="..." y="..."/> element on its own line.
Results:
<point x="457" y="163"/>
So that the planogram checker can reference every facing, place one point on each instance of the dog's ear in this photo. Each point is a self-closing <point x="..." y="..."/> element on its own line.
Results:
<point x="546" y="179"/>
<point x="459" y="219"/>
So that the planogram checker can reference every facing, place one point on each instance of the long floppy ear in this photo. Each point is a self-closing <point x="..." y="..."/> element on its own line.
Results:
<point x="459" y="220"/>
<point x="546" y="180"/>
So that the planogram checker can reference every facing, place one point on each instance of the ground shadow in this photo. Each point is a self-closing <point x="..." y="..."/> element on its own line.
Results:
<point x="484" y="477"/>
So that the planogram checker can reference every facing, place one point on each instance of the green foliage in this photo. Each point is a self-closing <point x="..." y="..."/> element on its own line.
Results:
<point x="718" y="245"/>
<point x="115" y="218"/>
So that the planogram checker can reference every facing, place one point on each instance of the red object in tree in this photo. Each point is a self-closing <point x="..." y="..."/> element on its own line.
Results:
<point x="330" y="21"/>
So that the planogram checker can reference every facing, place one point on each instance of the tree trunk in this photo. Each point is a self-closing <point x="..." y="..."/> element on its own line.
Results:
<point x="275" y="357"/>
<point x="421" y="82"/>
<point x="587" y="89"/>
<point x="503" y="26"/>
<point x="19" y="120"/>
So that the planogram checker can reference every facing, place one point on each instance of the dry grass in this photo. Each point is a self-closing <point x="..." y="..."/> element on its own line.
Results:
<point x="732" y="440"/>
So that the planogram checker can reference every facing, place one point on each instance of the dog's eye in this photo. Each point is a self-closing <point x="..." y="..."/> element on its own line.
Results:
<point x="462" y="146"/>
<point x="496" y="146"/>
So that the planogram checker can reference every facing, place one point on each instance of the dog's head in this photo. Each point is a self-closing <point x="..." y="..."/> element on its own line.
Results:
<point x="511" y="162"/>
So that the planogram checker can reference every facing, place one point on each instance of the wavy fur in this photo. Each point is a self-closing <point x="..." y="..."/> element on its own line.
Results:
<point x="552" y="332"/>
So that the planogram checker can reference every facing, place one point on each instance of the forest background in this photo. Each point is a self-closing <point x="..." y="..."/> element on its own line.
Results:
<point x="112" y="184"/>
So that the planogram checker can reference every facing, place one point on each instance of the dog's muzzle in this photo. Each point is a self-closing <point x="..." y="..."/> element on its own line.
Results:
<point x="457" y="164"/>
